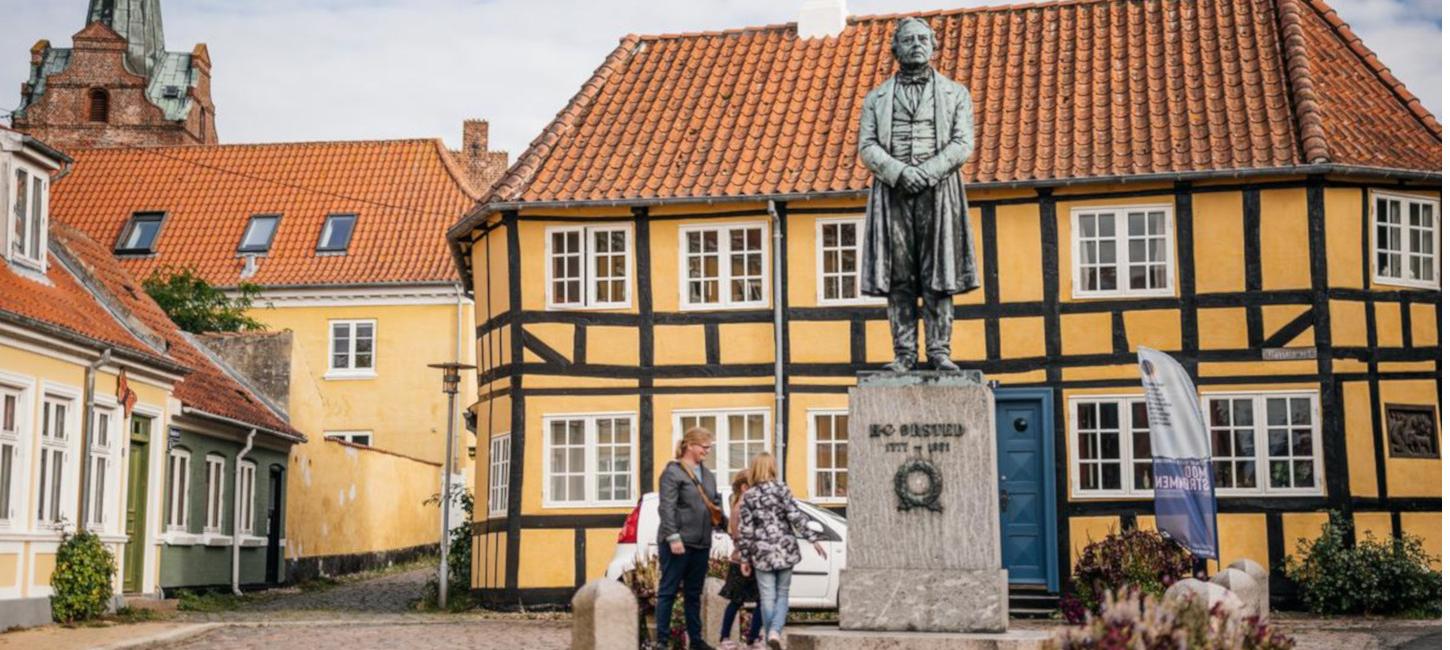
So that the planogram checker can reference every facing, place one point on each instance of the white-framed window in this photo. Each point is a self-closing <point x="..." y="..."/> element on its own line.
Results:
<point x="499" y="449"/>
<point x="104" y="434"/>
<point x="364" y="438"/>
<point x="178" y="491"/>
<point x="55" y="437"/>
<point x="589" y="460"/>
<point x="588" y="266"/>
<point x="1112" y="452"/>
<point x="12" y="460"/>
<point x="1122" y="251"/>
<point x="351" y="346"/>
<point x="827" y="456"/>
<point x="216" y="472"/>
<point x="30" y="208"/>
<point x="838" y="261"/>
<point x="723" y="266"/>
<point x="740" y="434"/>
<point x="1406" y="240"/>
<point x="1265" y="443"/>
<point x="247" y="476"/>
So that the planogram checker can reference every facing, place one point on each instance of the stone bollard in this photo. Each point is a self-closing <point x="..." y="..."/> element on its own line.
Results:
<point x="606" y="617"/>
<point x="712" y="610"/>
<point x="1245" y="587"/>
<point x="1207" y="593"/>
<point x="1261" y="576"/>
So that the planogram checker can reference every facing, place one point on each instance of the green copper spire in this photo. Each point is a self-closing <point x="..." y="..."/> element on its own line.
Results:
<point x="139" y="21"/>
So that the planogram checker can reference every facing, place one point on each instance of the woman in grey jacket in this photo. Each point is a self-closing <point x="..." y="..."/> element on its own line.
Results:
<point x="687" y="498"/>
<point x="770" y="524"/>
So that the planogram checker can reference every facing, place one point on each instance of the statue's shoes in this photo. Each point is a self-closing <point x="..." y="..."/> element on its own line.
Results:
<point x="943" y="363"/>
<point x="902" y="364"/>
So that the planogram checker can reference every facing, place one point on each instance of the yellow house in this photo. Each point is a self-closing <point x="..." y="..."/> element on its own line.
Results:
<point x="99" y="393"/>
<point x="1240" y="184"/>
<point x="358" y="294"/>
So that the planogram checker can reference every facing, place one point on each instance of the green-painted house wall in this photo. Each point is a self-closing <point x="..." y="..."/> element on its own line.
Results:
<point x="203" y="565"/>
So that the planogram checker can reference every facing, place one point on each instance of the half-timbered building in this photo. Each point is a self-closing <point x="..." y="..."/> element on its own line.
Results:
<point x="1240" y="183"/>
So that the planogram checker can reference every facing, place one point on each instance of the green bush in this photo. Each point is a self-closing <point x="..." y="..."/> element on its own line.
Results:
<point x="84" y="569"/>
<point x="1371" y="577"/>
<point x="196" y="306"/>
<point x="1129" y="619"/>
<point x="460" y="557"/>
<point x="1145" y="560"/>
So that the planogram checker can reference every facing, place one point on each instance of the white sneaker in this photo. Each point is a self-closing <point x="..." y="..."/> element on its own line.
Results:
<point x="728" y="644"/>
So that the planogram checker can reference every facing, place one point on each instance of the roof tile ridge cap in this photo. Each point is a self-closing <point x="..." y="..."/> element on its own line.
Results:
<point x="705" y="33"/>
<point x="961" y="11"/>
<point x="454" y="172"/>
<point x="511" y="185"/>
<point x="232" y="373"/>
<point x="1301" y="83"/>
<point x="1346" y="34"/>
<point x="129" y="321"/>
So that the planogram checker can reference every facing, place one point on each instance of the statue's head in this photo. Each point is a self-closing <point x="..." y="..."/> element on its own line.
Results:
<point x="914" y="42"/>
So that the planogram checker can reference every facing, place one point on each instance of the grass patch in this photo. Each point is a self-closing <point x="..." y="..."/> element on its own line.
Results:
<point x="129" y="615"/>
<point x="212" y="601"/>
<point x="319" y="583"/>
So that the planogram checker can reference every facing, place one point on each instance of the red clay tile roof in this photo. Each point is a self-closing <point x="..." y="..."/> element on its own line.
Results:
<point x="76" y="306"/>
<point x="1062" y="90"/>
<point x="405" y="193"/>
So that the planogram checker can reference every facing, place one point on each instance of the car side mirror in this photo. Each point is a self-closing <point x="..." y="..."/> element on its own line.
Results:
<point x="815" y="526"/>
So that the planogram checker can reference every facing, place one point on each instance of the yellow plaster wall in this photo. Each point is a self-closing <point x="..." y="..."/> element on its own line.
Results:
<point x="1359" y="440"/>
<point x="9" y="569"/>
<point x="1021" y="337"/>
<point x="599" y="546"/>
<point x="820" y="341"/>
<point x="558" y="336"/>
<point x="1089" y="373"/>
<point x="978" y="297"/>
<point x="1301" y="525"/>
<point x="1284" y="239"/>
<point x="679" y="345"/>
<point x="747" y="343"/>
<point x="1411" y="477"/>
<point x="1423" y="326"/>
<point x="546" y="558"/>
<point x="42" y="569"/>
<point x="1376" y="524"/>
<point x="969" y="339"/>
<point x="1426" y="526"/>
<point x="1241" y="536"/>
<point x="1343" y="215"/>
<point x="1346" y="323"/>
<point x="612" y="345"/>
<point x="1222" y="328"/>
<point x="1218" y="241"/>
<point x="342" y="499"/>
<point x="1160" y="329"/>
<point x="1277" y="316"/>
<point x="878" y="341"/>
<point x="1387" y="324"/>
<point x="1252" y="368"/>
<point x="1086" y="530"/>
<point x="1087" y="334"/>
<point x="1019" y="266"/>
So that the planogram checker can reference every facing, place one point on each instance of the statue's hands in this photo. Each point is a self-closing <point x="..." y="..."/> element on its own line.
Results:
<point x="913" y="180"/>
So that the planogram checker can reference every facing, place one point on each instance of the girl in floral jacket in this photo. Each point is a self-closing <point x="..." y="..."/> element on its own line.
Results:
<point x="770" y="524"/>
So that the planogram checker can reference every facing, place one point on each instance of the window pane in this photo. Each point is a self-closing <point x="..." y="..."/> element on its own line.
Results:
<point x="258" y="235"/>
<point x="337" y="232"/>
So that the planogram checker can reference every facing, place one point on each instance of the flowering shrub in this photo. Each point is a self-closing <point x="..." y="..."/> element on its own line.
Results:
<point x="1129" y="619"/>
<point x="644" y="581"/>
<point x="82" y="578"/>
<point x="1370" y="577"/>
<point x="1136" y="558"/>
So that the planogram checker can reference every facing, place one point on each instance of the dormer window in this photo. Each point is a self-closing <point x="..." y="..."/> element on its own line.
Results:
<point x="28" y="238"/>
<point x="100" y="106"/>
<point x="336" y="233"/>
<point x="260" y="231"/>
<point x="139" y="237"/>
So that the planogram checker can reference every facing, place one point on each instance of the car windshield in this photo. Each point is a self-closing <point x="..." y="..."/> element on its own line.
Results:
<point x="824" y="513"/>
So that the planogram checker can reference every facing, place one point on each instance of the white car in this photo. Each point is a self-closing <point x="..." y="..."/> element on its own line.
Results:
<point x="813" y="584"/>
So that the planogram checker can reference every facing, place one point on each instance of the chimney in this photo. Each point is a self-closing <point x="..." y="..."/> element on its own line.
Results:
<point x="821" y="18"/>
<point x="475" y="140"/>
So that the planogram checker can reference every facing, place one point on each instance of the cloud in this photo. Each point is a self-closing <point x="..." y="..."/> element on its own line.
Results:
<point x="286" y="70"/>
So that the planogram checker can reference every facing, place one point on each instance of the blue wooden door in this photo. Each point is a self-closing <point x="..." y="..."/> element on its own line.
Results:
<point x="1024" y="465"/>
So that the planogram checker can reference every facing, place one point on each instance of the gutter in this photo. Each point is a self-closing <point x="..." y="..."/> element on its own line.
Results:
<point x="187" y="410"/>
<point x="237" y="512"/>
<point x="778" y="311"/>
<point x="70" y="336"/>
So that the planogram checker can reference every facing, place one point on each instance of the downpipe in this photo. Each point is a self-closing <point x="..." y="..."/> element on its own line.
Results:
<point x="778" y="311"/>
<point x="237" y="512"/>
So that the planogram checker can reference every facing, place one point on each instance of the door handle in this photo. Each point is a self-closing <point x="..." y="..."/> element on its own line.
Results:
<point x="1002" y="496"/>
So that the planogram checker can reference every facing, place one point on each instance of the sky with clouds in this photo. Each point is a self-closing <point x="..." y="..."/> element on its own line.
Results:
<point x="289" y="70"/>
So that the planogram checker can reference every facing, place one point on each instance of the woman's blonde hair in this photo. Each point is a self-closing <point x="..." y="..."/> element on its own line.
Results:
<point x="762" y="469"/>
<point x="695" y="436"/>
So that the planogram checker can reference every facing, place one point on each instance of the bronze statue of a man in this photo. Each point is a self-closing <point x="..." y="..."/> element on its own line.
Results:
<point x="916" y="132"/>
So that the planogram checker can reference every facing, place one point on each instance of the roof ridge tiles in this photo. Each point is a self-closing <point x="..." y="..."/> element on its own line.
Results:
<point x="258" y="145"/>
<point x="1301" y="82"/>
<point x="1356" y="45"/>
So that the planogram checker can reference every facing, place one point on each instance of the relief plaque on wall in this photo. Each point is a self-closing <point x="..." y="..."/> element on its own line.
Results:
<point x="1412" y="431"/>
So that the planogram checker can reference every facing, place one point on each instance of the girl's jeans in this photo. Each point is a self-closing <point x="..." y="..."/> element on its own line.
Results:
<point x="774" y="597"/>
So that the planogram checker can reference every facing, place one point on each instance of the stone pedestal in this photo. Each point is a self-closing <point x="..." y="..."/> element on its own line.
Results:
<point x="925" y="550"/>
<point x="606" y="617"/>
<point x="831" y="639"/>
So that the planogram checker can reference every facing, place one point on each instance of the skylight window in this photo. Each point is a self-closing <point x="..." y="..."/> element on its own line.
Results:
<point x="260" y="231"/>
<point x="140" y="234"/>
<point x="336" y="233"/>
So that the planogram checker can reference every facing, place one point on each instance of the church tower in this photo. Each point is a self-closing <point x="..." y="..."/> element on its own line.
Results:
<point x="117" y="85"/>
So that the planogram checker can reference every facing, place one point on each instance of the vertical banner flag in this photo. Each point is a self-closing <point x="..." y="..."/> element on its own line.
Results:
<point x="1183" y="500"/>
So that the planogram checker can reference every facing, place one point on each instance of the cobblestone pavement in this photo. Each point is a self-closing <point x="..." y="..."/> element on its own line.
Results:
<point x="472" y="634"/>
